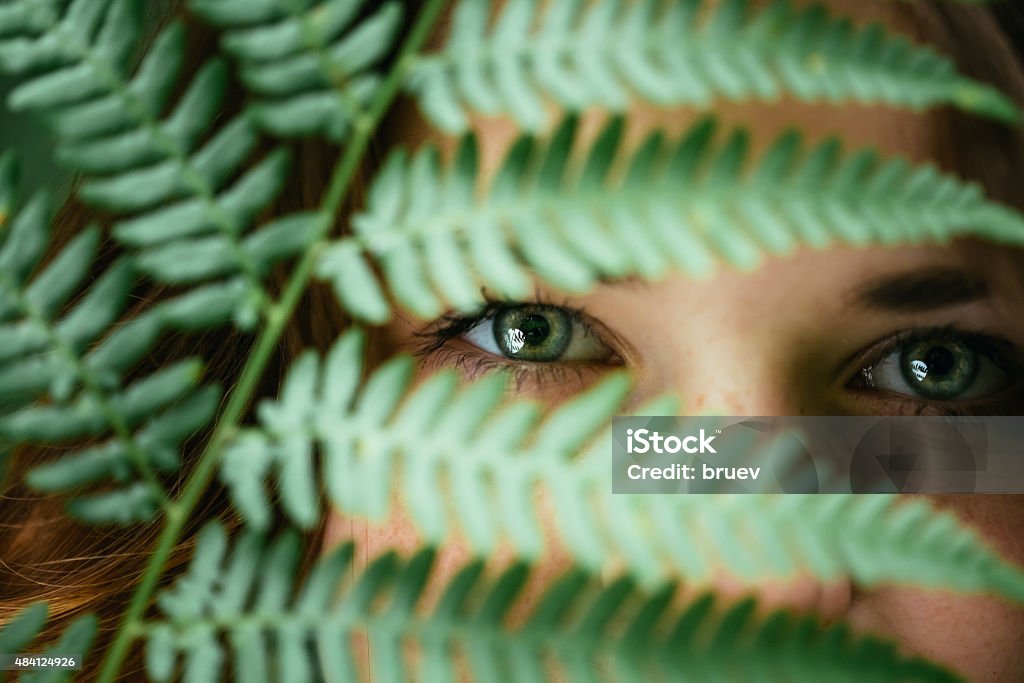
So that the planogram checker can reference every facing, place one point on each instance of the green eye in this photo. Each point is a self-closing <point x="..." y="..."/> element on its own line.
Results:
<point x="538" y="333"/>
<point x="940" y="369"/>
<point x="532" y="333"/>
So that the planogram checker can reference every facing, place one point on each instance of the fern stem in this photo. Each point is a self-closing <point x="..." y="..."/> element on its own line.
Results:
<point x="177" y="513"/>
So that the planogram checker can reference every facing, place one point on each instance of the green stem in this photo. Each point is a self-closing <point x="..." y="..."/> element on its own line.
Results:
<point x="177" y="514"/>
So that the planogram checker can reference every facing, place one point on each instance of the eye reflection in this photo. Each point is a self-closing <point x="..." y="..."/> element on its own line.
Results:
<point x="920" y="369"/>
<point x="515" y="340"/>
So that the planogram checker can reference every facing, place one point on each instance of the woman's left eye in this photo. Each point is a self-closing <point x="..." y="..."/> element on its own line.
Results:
<point x="538" y="333"/>
<point x="938" y="369"/>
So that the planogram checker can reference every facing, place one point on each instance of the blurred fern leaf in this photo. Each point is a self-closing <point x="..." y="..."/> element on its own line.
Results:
<point x="310" y="63"/>
<point x="577" y="54"/>
<point x="168" y="171"/>
<point x="684" y="205"/>
<point x="385" y="442"/>
<point x="587" y="631"/>
<point x="76" y="639"/>
<point x="19" y="633"/>
<point x="62" y="370"/>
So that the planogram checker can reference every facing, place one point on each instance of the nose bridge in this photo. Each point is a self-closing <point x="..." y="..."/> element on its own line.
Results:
<point x="734" y="373"/>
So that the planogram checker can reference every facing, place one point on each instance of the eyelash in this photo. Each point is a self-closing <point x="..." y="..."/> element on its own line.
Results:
<point x="999" y="351"/>
<point x="984" y="344"/>
<point x="521" y="373"/>
<point x="450" y="326"/>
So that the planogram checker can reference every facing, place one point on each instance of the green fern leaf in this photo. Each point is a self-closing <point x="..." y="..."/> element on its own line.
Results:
<point x="77" y="639"/>
<point x="17" y="634"/>
<point x="685" y="206"/>
<point x="586" y="631"/>
<point x="62" y="369"/>
<point x="27" y="18"/>
<point x="311" y="66"/>
<point x="47" y="35"/>
<point x="188" y="226"/>
<point x="578" y="55"/>
<point x="385" y="442"/>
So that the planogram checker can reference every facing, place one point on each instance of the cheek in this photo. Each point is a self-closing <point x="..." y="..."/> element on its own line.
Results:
<point x="399" y="534"/>
<point x="980" y="636"/>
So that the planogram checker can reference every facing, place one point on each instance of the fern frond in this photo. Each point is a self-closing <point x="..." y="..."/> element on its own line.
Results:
<point x="579" y="628"/>
<point x="76" y="639"/>
<point x="577" y="54"/>
<point x="19" y="633"/>
<point x="54" y="34"/>
<point x="685" y="205"/>
<point x="384" y="443"/>
<point x="310" y="62"/>
<point x="190" y="212"/>
<point x="68" y="363"/>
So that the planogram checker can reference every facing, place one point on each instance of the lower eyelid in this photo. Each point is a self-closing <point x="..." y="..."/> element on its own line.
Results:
<point x="524" y="376"/>
<point x="881" y="402"/>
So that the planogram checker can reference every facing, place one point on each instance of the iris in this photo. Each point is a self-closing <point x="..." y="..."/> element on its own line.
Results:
<point x="939" y="370"/>
<point x="534" y="333"/>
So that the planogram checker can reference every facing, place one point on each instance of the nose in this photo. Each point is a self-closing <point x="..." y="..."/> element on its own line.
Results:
<point x="742" y="378"/>
<point x="721" y="368"/>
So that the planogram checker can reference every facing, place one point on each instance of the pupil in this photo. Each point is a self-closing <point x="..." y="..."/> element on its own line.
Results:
<point x="940" y="360"/>
<point x="940" y="370"/>
<point x="535" y="328"/>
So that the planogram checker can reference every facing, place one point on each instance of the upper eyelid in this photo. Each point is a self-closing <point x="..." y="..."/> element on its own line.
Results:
<point x="458" y="325"/>
<point x="877" y="351"/>
<point x="1002" y="352"/>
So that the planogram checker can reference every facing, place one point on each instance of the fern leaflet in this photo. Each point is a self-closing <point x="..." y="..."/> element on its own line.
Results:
<point x="578" y="54"/>
<point x="385" y="440"/>
<point x="19" y="632"/>
<point x="46" y="354"/>
<point x="312" y="69"/>
<point x="588" y="632"/>
<point x="685" y="205"/>
<point x="188" y="226"/>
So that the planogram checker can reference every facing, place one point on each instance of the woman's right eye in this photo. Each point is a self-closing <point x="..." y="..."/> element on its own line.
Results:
<point x="538" y="333"/>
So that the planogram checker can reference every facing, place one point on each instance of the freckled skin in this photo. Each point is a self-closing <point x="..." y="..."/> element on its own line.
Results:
<point x="772" y="342"/>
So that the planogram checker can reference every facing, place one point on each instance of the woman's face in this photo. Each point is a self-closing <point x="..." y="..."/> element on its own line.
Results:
<point x="812" y="333"/>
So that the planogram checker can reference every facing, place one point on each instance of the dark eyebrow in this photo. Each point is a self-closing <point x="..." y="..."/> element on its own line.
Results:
<point x="922" y="290"/>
